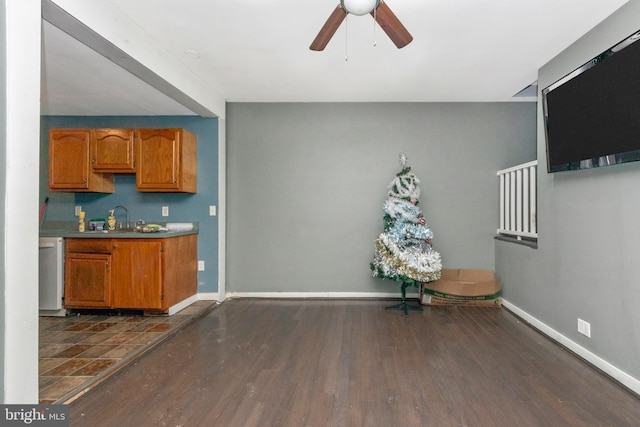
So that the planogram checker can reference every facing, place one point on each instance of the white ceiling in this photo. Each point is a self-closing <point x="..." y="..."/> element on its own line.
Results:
<point x="258" y="51"/>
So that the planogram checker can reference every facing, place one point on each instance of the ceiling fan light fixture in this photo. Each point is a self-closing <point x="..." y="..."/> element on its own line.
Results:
<point x="359" y="7"/>
<point x="382" y="15"/>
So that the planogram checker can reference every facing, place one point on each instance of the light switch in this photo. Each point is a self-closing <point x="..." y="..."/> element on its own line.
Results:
<point x="212" y="211"/>
<point x="165" y="211"/>
<point x="200" y="265"/>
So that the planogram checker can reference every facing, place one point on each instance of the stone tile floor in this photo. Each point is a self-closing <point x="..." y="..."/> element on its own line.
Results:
<point x="78" y="351"/>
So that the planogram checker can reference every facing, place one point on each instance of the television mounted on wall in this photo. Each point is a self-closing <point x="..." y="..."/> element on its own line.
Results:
<point x="592" y="115"/>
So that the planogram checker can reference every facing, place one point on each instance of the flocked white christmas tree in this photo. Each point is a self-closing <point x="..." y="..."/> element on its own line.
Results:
<point x="403" y="252"/>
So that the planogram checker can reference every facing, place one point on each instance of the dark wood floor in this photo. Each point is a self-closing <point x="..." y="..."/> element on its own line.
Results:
<point x="256" y="362"/>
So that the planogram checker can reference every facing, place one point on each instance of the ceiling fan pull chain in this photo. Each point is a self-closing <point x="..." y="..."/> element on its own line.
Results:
<point x="375" y="22"/>
<point x="346" y="37"/>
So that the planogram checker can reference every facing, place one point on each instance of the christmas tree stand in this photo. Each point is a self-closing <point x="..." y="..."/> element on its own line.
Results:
<point x="403" y="305"/>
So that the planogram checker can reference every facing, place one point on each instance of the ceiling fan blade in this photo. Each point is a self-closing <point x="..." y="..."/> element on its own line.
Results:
<point x="392" y="25"/>
<point x="328" y="29"/>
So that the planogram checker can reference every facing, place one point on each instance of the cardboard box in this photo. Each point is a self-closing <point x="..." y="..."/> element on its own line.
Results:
<point x="463" y="287"/>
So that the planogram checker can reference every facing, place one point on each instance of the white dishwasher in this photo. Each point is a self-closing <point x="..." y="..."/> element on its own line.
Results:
<point x="51" y="276"/>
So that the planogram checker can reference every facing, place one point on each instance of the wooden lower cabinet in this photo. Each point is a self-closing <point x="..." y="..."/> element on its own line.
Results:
<point x="146" y="274"/>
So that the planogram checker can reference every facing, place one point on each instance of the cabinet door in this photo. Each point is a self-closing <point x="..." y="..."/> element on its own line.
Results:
<point x="158" y="166"/>
<point x="137" y="273"/>
<point x="87" y="280"/>
<point x="69" y="159"/>
<point x="69" y="163"/>
<point x="112" y="150"/>
<point x="166" y="160"/>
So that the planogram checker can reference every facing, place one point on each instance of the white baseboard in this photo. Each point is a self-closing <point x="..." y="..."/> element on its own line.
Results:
<point x="622" y="377"/>
<point x="335" y="295"/>
<point x="182" y="304"/>
<point x="208" y="296"/>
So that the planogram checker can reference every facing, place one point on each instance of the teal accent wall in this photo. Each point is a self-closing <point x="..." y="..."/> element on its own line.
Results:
<point x="183" y="207"/>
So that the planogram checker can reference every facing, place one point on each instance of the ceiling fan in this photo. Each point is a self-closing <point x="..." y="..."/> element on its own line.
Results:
<point x="377" y="8"/>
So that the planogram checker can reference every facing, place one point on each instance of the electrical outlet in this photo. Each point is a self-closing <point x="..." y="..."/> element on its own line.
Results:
<point x="212" y="211"/>
<point x="200" y="265"/>
<point x="165" y="211"/>
<point x="584" y="328"/>
<point x="78" y="210"/>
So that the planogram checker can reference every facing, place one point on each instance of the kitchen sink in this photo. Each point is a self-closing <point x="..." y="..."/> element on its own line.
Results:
<point x="116" y="231"/>
<point x="121" y="230"/>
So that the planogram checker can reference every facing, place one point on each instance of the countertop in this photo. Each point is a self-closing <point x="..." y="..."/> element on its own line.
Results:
<point x="68" y="229"/>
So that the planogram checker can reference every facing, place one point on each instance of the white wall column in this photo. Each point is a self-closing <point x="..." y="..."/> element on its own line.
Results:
<point x="22" y="149"/>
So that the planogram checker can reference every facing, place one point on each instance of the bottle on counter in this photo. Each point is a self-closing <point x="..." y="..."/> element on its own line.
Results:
<point x="111" y="220"/>
<point x="81" y="222"/>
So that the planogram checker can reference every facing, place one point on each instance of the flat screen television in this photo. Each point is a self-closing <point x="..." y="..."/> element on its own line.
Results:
<point x="592" y="115"/>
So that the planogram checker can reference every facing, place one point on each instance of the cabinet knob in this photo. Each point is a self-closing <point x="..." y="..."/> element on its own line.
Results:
<point x="115" y="246"/>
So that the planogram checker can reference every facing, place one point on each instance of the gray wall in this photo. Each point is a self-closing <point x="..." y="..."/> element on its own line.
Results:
<point x="586" y="262"/>
<point x="306" y="183"/>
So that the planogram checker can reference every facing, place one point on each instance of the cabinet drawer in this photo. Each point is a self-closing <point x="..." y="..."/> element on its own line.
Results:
<point x="89" y="245"/>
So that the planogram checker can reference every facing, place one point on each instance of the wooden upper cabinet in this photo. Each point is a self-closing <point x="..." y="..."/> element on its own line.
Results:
<point x="70" y="163"/>
<point x="112" y="150"/>
<point x="84" y="160"/>
<point x="166" y="160"/>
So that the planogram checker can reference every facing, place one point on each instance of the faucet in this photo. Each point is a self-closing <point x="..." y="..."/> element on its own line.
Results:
<point x="126" y="212"/>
